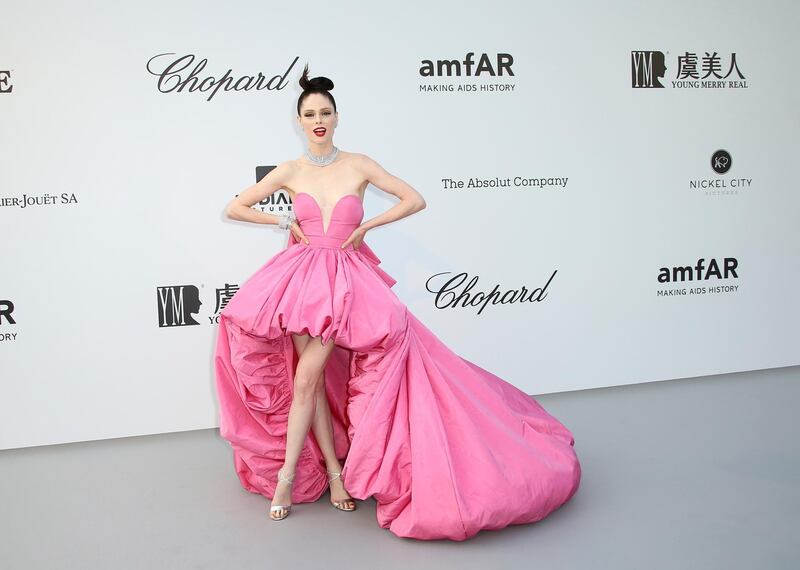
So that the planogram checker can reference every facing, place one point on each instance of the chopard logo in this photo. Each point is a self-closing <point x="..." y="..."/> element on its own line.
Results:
<point x="171" y="78"/>
<point x="452" y="295"/>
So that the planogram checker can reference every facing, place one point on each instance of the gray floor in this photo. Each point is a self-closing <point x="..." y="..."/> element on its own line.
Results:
<point x="691" y="473"/>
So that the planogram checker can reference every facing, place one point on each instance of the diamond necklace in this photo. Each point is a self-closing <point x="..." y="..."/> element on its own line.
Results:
<point x="323" y="159"/>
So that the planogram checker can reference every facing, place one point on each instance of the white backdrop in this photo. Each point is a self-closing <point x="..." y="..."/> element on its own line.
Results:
<point x="124" y="181"/>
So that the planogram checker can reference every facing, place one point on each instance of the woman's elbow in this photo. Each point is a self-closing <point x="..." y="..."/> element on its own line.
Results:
<point x="421" y="204"/>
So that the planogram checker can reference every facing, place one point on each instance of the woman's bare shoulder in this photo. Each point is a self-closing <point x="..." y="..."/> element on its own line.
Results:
<point x="362" y="161"/>
<point x="367" y="165"/>
<point x="355" y="155"/>
<point x="287" y="169"/>
<point x="282" y="174"/>
<point x="290" y="164"/>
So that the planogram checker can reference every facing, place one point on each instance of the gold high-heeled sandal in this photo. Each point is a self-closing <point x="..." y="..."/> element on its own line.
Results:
<point x="340" y="504"/>
<point x="284" y="509"/>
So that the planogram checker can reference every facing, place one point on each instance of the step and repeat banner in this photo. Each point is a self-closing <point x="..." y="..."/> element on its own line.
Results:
<point x="611" y="189"/>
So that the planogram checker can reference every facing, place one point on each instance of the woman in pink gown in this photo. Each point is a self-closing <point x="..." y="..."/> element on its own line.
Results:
<point x="326" y="380"/>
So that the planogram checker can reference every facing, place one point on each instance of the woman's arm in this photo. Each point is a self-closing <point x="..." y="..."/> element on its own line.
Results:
<point x="240" y="208"/>
<point x="411" y="201"/>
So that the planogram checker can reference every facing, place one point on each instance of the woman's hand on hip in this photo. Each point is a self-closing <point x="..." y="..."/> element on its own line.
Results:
<point x="356" y="238"/>
<point x="298" y="233"/>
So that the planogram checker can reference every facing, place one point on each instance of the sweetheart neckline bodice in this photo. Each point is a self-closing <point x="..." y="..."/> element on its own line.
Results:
<point x="333" y="208"/>
<point x="334" y="205"/>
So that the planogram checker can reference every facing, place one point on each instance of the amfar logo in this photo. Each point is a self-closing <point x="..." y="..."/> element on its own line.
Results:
<point x="6" y="308"/>
<point x="699" y="272"/>
<point x="647" y="67"/>
<point x="171" y="80"/>
<point x="484" y="65"/>
<point x="176" y="303"/>
<point x="6" y="318"/>
<point x="5" y="81"/>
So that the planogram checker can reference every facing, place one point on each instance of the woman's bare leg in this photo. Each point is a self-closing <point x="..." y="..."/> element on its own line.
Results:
<point x="322" y="426"/>
<point x="301" y="412"/>
<point x="323" y="432"/>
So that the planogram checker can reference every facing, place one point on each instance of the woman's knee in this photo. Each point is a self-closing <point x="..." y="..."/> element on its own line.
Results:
<point x="306" y="382"/>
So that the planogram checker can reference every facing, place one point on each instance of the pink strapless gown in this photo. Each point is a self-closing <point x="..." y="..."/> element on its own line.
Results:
<point x="445" y="447"/>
